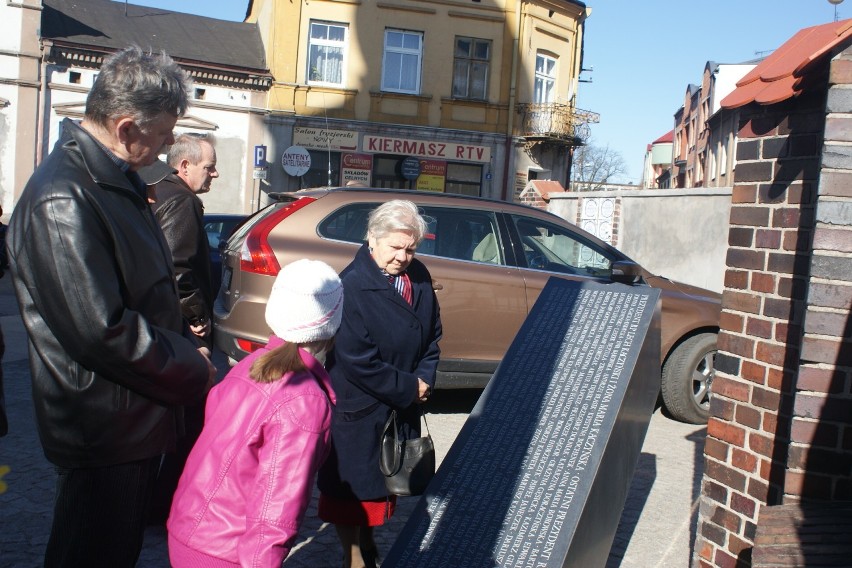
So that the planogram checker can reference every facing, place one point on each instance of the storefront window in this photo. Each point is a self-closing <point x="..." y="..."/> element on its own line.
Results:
<point x="459" y="177"/>
<point x="464" y="178"/>
<point x="318" y="176"/>
<point x="386" y="173"/>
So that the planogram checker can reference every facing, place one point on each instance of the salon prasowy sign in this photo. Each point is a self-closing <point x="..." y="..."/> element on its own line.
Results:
<point x="433" y="149"/>
<point x="296" y="161"/>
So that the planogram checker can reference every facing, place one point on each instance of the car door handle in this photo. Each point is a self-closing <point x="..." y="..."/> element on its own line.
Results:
<point x="436" y="286"/>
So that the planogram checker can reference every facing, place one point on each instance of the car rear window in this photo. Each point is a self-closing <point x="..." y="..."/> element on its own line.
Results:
<point x="349" y="223"/>
<point x="464" y="234"/>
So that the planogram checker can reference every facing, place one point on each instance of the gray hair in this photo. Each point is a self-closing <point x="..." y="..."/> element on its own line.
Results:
<point x="187" y="146"/>
<point x="396" y="215"/>
<point x="140" y="85"/>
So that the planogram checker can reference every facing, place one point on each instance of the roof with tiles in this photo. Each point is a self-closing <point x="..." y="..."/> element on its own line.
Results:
<point x="545" y="187"/>
<point x="187" y="38"/>
<point x="667" y="137"/>
<point x="783" y="74"/>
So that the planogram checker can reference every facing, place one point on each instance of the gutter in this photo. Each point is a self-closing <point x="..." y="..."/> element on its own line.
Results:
<point x="504" y="194"/>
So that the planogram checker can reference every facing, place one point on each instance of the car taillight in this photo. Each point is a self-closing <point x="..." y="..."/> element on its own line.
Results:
<point x="256" y="255"/>
<point x="249" y="346"/>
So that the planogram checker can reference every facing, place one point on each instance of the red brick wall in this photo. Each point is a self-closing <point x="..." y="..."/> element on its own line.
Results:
<point x="533" y="199"/>
<point x="820" y="457"/>
<point x="781" y="413"/>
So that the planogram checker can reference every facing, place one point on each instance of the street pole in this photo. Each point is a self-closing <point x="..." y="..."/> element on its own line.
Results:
<point x="835" y="3"/>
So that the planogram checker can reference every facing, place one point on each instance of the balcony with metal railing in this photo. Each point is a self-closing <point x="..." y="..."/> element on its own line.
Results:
<point x="556" y="123"/>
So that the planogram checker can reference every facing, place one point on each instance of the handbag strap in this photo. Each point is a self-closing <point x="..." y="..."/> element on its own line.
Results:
<point x="395" y="450"/>
<point x="423" y="414"/>
<point x="391" y="421"/>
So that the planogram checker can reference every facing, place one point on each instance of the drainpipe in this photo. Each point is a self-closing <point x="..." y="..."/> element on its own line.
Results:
<point x="578" y="68"/>
<point x="46" y="46"/>
<point x="512" y="95"/>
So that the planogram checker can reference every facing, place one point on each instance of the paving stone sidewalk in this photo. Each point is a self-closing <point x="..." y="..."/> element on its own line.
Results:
<point x="657" y="527"/>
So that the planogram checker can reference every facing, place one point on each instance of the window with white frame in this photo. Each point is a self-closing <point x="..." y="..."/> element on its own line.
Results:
<point x="470" y="68"/>
<point x="402" y="59"/>
<point x="713" y="162"/>
<point x="327" y="53"/>
<point x="545" y="78"/>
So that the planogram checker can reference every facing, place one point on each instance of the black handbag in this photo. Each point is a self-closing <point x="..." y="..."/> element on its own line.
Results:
<point x="408" y="465"/>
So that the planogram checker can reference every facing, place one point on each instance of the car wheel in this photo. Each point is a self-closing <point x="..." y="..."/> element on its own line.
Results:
<point x="687" y="377"/>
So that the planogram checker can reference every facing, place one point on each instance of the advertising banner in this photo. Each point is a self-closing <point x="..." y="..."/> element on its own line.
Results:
<point x="433" y="175"/>
<point x="356" y="169"/>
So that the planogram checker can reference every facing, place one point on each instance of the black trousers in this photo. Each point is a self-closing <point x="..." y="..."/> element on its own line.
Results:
<point x="173" y="464"/>
<point x="100" y="515"/>
<point x="4" y="421"/>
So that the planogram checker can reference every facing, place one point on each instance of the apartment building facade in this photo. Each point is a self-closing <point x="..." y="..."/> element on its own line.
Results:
<point x="656" y="169"/>
<point x="51" y="52"/>
<point x="704" y="133"/>
<point x="458" y="96"/>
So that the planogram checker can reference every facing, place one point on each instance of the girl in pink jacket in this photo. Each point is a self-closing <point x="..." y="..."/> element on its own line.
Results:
<point x="250" y="475"/>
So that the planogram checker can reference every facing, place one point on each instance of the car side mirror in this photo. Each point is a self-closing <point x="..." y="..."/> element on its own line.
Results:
<point x="627" y="272"/>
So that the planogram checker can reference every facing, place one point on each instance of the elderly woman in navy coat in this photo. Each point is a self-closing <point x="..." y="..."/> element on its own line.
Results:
<point x="385" y="357"/>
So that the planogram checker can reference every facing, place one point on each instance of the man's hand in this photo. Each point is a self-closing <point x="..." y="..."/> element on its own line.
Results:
<point x="201" y="329"/>
<point x="211" y="369"/>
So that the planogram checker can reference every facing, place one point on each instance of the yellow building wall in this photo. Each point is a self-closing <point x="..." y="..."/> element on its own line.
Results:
<point x="557" y="34"/>
<point x="551" y="26"/>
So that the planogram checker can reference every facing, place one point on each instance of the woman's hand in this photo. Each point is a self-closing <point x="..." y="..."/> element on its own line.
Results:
<point x="423" y="390"/>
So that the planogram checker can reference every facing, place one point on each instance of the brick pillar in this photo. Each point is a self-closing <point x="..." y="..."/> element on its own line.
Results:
<point x="820" y="457"/>
<point x="763" y="305"/>
<point x="781" y="415"/>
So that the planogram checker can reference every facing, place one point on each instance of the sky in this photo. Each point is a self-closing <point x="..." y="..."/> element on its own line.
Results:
<point x="644" y="54"/>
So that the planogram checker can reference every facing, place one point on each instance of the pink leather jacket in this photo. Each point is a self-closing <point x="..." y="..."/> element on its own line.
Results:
<point x="250" y="475"/>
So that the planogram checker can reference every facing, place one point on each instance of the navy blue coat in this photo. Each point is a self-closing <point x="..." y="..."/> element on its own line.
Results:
<point x="382" y="347"/>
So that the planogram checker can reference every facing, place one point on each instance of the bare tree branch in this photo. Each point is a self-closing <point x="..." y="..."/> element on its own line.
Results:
<point x="594" y="167"/>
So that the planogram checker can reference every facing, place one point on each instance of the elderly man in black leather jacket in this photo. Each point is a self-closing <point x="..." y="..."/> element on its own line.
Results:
<point x="112" y="360"/>
<point x="180" y="213"/>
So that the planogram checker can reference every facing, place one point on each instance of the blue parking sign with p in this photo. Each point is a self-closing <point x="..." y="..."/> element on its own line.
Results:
<point x="260" y="156"/>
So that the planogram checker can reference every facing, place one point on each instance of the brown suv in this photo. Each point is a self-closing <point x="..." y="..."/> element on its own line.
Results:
<point x="489" y="261"/>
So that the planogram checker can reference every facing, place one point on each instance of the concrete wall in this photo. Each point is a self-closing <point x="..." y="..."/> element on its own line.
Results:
<point x="681" y="234"/>
<point x="19" y="94"/>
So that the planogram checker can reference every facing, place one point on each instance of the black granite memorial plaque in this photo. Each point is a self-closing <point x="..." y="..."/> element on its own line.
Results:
<point x="539" y="472"/>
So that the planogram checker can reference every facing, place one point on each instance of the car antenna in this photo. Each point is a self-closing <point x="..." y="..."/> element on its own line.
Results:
<point x="327" y="138"/>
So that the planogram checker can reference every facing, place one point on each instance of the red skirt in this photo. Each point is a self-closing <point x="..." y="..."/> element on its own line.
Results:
<point x="372" y="513"/>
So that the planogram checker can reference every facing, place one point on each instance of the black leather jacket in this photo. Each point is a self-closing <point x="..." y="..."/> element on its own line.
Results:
<point x="181" y="216"/>
<point x="110" y="355"/>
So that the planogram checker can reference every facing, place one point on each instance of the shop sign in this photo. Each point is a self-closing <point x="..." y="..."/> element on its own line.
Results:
<point x="356" y="168"/>
<point x="325" y="139"/>
<point x="260" y="156"/>
<point x="426" y="149"/>
<point x="410" y="167"/>
<point x="296" y="161"/>
<point x="433" y="175"/>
